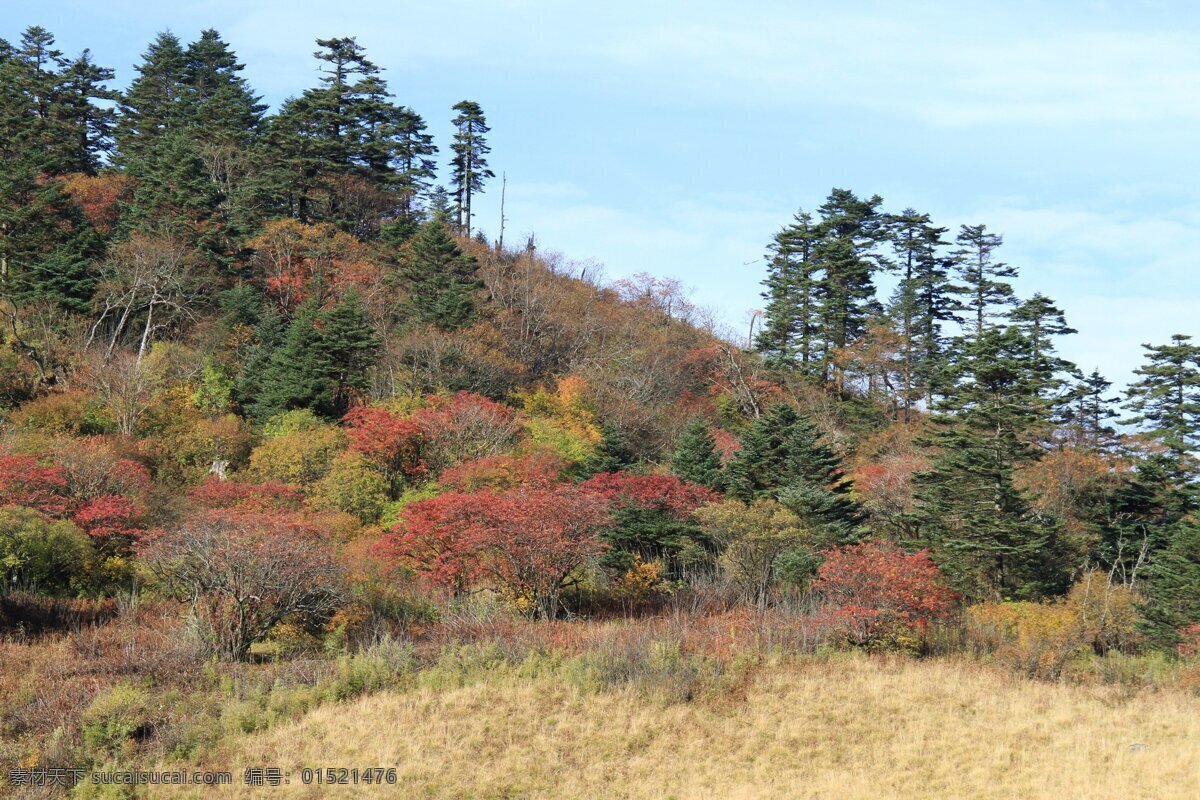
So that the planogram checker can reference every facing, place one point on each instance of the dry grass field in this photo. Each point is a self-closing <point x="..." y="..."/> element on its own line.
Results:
<point x="848" y="726"/>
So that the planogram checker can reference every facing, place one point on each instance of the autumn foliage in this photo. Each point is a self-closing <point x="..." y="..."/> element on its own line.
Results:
<point x="525" y="542"/>
<point x="874" y="593"/>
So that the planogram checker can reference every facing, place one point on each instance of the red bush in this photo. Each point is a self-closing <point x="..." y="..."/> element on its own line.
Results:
<point x="667" y="493"/>
<point x="24" y="482"/>
<point x="108" y="516"/>
<point x="505" y="472"/>
<point x="393" y="444"/>
<point x="525" y="541"/>
<point x="874" y="590"/>
<point x="465" y="426"/>
<point x="258" y="497"/>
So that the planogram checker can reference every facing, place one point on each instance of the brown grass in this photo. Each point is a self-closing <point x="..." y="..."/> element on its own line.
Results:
<point x="843" y="727"/>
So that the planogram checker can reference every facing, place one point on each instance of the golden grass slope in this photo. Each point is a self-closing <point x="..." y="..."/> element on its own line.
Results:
<point x="846" y="727"/>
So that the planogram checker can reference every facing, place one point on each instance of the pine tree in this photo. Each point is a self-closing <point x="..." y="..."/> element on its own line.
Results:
<point x="696" y="458"/>
<point x="920" y="304"/>
<point x="851" y="229"/>
<point x="789" y="333"/>
<point x="782" y="457"/>
<point x="440" y="278"/>
<point x="1087" y="411"/>
<point x="412" y="155"/>
<point x="349" y="343"/>
<point x="1167" y="397"/>
<point x="297" y="372"/>
<point x="1039" y="320"/>
<point x="469" y="167"/>
<point x="971" y="515"/>
<point x="982" y="289"/>
<point x="151" y="108"/>
<point x="1174" y="586"/>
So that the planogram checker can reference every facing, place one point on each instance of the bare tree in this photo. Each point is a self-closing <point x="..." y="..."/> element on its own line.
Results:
<point x="148" y="282"/>
<point x="244" y="573"/>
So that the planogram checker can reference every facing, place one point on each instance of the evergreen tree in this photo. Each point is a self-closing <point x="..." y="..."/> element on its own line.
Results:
<point x="1167" y="396"/>
<point x="851" y="229"/>
<point x="90" y="138"/>
<point x="611" y="454"/>
<point x="982" y="289"/>
<point x="469" y="167"/>
<point x="696" y="458"/>
<point x="1174" y="586"/>
<point x="920" y="304"/>
<point x="971" y="515"/>
<point x="1086" y="413"/>
<point x="151" y="108"/>
<point x="789" y="333"/>
<point x="322" y="362"/>
<point x="412" y="155"/>
<point x="349" y="343"/>
<point x="440" y="278"/>
<point x="782" y="457"/>
<point x="297" y="372"/>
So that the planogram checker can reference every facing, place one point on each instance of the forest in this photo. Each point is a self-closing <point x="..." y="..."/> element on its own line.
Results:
<point x="279" y="421"/>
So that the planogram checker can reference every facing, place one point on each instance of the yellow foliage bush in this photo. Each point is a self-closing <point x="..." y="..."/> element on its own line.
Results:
<point x="1039" y="639"/>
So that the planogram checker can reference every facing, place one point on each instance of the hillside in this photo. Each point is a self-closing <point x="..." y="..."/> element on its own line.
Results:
<point x="285" y="438"/>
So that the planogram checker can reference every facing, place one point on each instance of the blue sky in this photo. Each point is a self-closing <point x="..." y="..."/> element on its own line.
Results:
<point x="675" y="138"/>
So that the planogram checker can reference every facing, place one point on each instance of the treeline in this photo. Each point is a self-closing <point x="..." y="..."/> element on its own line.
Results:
<point x="1020" y="477"/>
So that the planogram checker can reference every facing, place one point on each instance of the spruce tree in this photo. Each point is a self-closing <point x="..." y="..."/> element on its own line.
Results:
<point x="469" y="167"/>
<point x="1174" y="586"/>
<point x="920" y="304"/>
<point x="696" y="458"/>
<point x="440" y="278"/>
<point x="851" y="228"/>
<point x="1166" y="398"/>
<point x="782" y="457"/>
<point x="297" y="372"/>
<point x="983" y="291"/>
<point x="349" y="344"/>
<point x="970" y="513"/>
<point x="1087" y="411"/>
<point x="788" y="336"/>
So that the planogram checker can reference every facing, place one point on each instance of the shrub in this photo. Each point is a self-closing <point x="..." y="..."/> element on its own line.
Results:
<point x="40" y="553"/>
<point x="352" y="486"/>
<point x="298" y="458"/>
<point x="70" y="413"/>
<point x="1037" y="639"/>
<point x="1109" y="613"/>
<point x="244" y="573"/>
<point x="525" y="542"/>
<point x="751" y="539"/>
<point x="116" y="716"/>
<point x="874" y="594"/>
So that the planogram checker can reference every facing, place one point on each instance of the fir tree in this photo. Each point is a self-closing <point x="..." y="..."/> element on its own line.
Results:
<point x="982" y="289"/>
<point x="1167" y="396"/>
<point x="297" y="372"/>
<point x="469" y="167"/>
<point x="782" y="457"/>
<point x="789" y="333"/>
<point x="979" y="526"/>
<point x="1174" y="586"/>
<point x="696" y="458"/>
<point x="349" y="345"/>
<point x="851" y="228"/>
<point x="440" y="278"/>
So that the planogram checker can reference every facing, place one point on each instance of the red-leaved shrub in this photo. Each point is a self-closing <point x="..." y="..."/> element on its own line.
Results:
<point x="873" y="593"/>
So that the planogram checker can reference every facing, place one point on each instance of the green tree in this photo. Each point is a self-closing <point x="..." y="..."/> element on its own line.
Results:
<point x="789" y="333"/>
<point x="696" y="458"/>
<point x="851" y="229"/>
<point x="982" y="289"/>
<point x="469" y="167"/>
<point x="440" y="278"/>
<point x="970" y="513"/>
<point x="1166" y="397"/>
<point x="1174" y="586"/>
